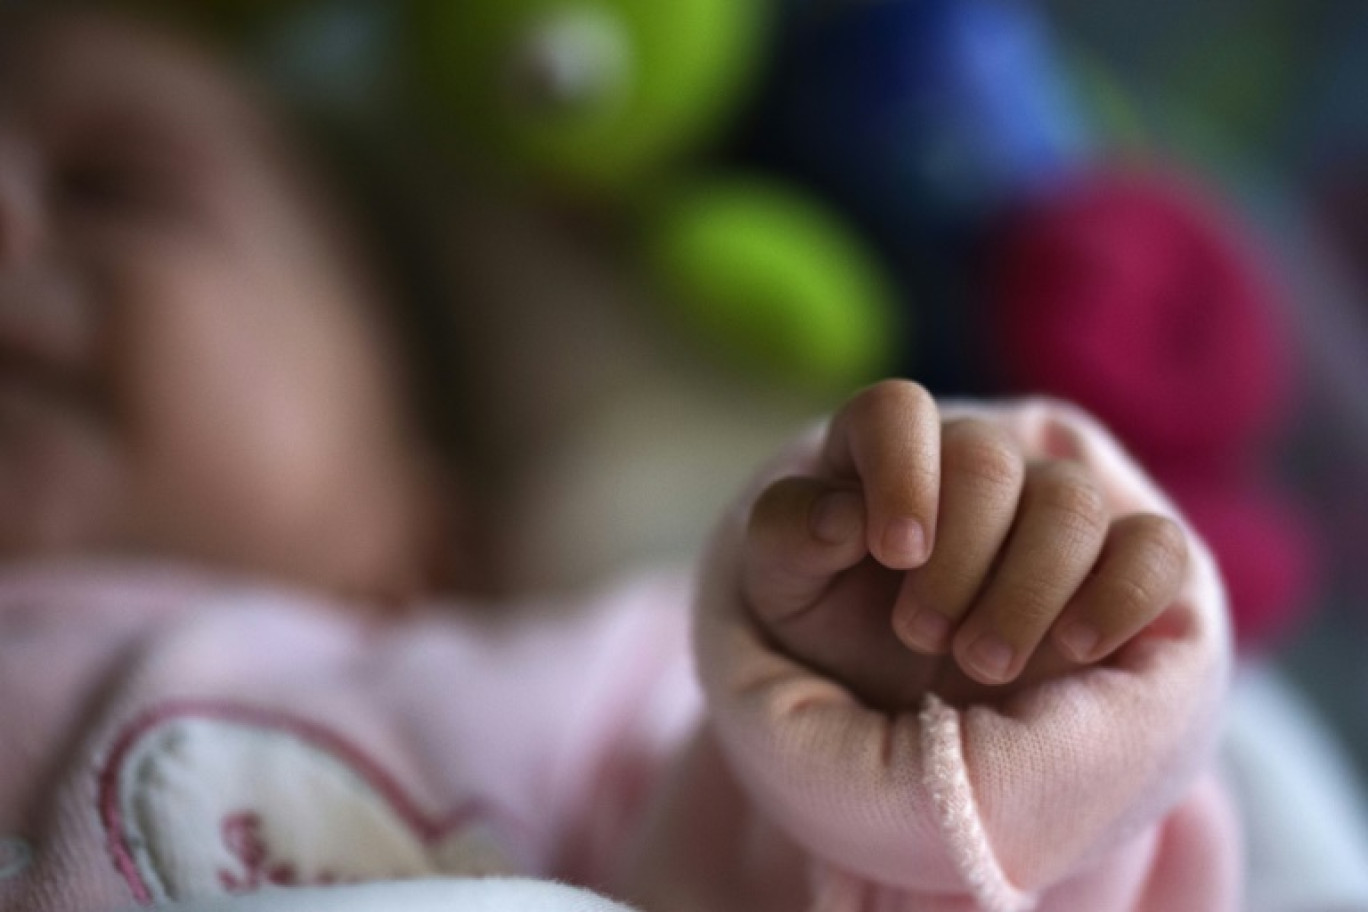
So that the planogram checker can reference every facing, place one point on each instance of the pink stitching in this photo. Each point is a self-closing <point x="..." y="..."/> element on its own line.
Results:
<point x="243" y="838"/>
<point x="430" y="831"/>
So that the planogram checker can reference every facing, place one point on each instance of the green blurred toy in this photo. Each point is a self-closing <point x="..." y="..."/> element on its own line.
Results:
<point x="608" y="102"/>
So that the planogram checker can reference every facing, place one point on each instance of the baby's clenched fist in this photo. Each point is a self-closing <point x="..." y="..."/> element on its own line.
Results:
<point x="951" y="555"/>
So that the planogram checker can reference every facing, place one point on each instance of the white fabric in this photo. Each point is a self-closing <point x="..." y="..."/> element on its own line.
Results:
<point x="470" y="895"/>
<point x="1306" y="820"/>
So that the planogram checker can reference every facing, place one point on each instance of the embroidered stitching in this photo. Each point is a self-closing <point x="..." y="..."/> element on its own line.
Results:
<point x="241" y="832"/>
<point x="243" y="838"/>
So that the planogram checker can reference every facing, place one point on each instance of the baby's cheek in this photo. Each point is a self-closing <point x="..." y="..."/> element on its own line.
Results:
<point x="262" y="422"/>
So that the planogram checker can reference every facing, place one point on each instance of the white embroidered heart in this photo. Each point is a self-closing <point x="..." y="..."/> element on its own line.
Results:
<point x="202" y="799"/>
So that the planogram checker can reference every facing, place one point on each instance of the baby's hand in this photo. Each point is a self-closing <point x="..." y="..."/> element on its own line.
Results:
<point x="924" y="555"/>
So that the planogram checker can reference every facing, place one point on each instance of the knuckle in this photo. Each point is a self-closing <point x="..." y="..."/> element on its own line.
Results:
<point x="1148" y="569"/>
<point x="1069" y="492"/>
<point x="1161" y="546"/>
<point x="1164" y="538"/>
<point x="1027" y="607"/>
<point x="983" y="452"/>
<point x="1132" y="596"/>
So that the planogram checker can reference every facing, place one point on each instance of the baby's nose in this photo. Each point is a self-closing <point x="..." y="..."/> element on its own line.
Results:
<point x="21" y="212"/>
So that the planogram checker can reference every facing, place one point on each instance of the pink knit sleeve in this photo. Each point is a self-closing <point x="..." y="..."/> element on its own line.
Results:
<point x="1081" y="786"/>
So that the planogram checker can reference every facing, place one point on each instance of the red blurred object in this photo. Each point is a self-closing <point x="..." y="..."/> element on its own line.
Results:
<point x="1134" y="296"/>
<point x="1130" y="295"/>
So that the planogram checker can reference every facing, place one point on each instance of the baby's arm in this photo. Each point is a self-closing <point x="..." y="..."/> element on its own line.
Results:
<point x="903" y="768"/>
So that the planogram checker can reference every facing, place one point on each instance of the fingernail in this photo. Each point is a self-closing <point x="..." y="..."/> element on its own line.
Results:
<point x="904" y="543"/>
<point x="835" y="517"/>
<point x="1078" y="641"/>
<point x="926" y="630"/>
<point x="991" y="657"/>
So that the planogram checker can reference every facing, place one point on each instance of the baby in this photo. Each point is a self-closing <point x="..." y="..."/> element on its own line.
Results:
<point x="951" y="657"/>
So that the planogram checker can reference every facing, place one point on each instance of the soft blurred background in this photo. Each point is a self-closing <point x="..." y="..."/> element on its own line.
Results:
<point x="676" y="231"/>
<point x="1266" y="101"/>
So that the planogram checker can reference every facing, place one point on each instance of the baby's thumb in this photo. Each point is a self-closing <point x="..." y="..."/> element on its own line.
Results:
<point x="801" y="533"/>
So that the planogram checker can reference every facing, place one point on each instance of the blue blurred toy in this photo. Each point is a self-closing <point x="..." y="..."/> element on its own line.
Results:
<point x="922" y="114"/>
<point x="922" y="119"/>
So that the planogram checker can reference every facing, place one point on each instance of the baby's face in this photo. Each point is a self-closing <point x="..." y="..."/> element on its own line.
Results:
<point x="191" y="359"/>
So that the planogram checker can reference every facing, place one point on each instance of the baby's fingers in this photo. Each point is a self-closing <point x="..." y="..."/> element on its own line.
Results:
<point x="887" y="439"/>
<point x="982" y="473"/>
<point x="802" y="532"/>
<point x="1058" y="534"/>
<point x="1138" y="575"/>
